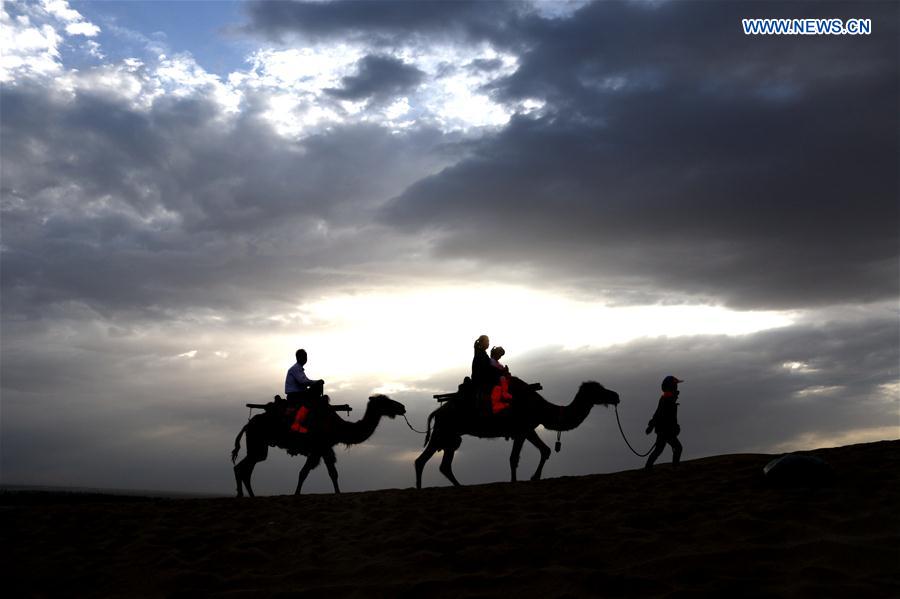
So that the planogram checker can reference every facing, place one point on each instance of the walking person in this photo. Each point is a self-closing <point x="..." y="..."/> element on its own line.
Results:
<point x="665" y="422"/>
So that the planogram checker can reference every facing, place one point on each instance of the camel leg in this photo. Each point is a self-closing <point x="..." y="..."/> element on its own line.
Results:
<point x="447" y="466"/>
<point x="311" y="462"/>
<point x="243" y="470"/>
<point x="421" y="461"/>
<point x="535" y="440"/>
<point x="237" y="478"/>
<point x="257" y="451"/>
<point x="514" y="456"/>
<point x="332" y="471"/>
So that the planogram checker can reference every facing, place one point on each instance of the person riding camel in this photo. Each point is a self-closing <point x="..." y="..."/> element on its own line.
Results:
<point x="496" y="354"/>
<point x="484" y="375"/>
<point x="488" y="376"/>
<point x="500" y="394"/>
<point x="302" y="390"/>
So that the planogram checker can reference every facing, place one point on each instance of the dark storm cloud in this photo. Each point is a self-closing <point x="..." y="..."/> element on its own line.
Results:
<point x="675" y="152"/>
<point x="178" y="206"/>
<point x="387" y="22"/>
<point x="380" y="78"/>
<point x="483" y="64"/>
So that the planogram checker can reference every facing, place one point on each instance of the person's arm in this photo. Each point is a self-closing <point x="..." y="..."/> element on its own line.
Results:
<point x="300" y="377"/>
<point x="669" y="414"/>
<point x="666" y="419"/>
<point x="481" y="368"/>
<point x="657" y="415"/>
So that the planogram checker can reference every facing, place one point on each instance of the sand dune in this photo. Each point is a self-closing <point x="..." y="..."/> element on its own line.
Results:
<point x="712" y="528"/>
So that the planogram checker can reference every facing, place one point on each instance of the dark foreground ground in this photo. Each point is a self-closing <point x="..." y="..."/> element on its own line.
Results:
<point x="713" y="528"/>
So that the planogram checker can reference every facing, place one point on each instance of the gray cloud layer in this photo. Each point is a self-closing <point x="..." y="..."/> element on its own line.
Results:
<point x="673" y="151"/>
<point x="172" y="208"/>
<point x="758" y="172"/>
<point x="381" y="22"/>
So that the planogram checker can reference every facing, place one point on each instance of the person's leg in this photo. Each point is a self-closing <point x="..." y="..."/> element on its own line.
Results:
<point x="496" y="404"/>
<point x="657" y="450"/>
<point x="299" y="419"/>
<point x="499" y="399"/>
<point x="676" y="450"/>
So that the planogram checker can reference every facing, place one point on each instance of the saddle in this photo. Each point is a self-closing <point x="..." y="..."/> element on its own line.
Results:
<point x="479" y="400"/>
<point x="467" y="388"/>
<point x="283" y="411"/>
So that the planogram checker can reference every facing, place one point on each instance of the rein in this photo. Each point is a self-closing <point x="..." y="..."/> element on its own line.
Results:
<point x="640" y="455"/>
<point x="411" y="426"/>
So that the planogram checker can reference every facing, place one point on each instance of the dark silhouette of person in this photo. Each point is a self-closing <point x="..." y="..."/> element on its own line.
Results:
<point x="300" y="389"/>
<point x="497" y="354"/>
<point x="500" y="395"/>
<point x="484" y="375"/>
<point x="665" y="422"/>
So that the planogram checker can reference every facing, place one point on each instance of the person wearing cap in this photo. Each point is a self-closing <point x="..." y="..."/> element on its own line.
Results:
<point x="665" y="422"/>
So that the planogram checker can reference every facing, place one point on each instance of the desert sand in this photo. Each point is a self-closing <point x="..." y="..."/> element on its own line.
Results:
<point x="711" y="528"/>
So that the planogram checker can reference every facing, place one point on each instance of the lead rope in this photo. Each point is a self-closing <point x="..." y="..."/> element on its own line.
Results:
<point x="411" y="426"/>
<point x="640" y="455"/>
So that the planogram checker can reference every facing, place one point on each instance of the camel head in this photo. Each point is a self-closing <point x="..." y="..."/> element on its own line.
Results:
<point x="598" y="394"/>
<point x="387" y="406"/>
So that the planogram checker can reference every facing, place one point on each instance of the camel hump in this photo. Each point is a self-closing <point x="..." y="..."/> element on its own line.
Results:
<point x="517" y="385"/>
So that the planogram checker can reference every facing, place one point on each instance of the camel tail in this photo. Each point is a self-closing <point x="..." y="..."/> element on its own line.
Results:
<point x="237" y="443"/>
<point x="428" y="429"/>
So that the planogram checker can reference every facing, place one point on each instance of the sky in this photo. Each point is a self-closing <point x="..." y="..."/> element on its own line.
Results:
<point x="613" y="191"/>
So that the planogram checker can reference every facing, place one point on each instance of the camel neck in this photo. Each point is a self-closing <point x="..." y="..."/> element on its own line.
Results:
<point x="353" y="433"/>
<point x="565" y="417"/>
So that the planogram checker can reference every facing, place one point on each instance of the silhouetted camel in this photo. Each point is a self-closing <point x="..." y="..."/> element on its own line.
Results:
<point x="528" y="409"/>
<point x="325" y="431"/>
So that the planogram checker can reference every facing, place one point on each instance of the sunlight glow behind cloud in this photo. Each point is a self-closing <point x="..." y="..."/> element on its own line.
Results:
<point x="296" y="80"/>
<point x="405" y="336"/>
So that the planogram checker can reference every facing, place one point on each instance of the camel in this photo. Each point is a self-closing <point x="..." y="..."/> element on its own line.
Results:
<point x="463" y="416"/>
<point x="326" y="431"/>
